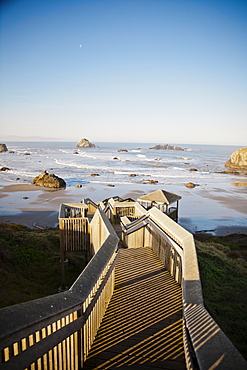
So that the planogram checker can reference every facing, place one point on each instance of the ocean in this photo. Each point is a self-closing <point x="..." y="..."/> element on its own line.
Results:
<point x="217" y="202"/>
<point x="136" y="165"/>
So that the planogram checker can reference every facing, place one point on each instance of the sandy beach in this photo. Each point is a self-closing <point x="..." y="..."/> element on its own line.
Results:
<point x="218" y="210"/>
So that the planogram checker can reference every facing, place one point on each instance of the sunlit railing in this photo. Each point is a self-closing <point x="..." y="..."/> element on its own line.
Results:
<point x="56" y="332"/>
<point x="91" y="205"/>
<point x="117" y="207"/>
<point x="205" y="344"/>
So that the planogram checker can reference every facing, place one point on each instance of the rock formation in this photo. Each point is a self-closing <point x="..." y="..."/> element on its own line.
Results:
<point x="190" y="185"/>
<point x="85" y="143"/>
<point x="149" y="182"/>
<point x="49" y="181"/>
<point x="166" y="147"/>
<point x="3" y="148"/>
<point x="238" y="159"/>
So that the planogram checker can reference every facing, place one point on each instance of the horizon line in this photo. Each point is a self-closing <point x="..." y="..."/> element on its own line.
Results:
<point x="52" y="139"/>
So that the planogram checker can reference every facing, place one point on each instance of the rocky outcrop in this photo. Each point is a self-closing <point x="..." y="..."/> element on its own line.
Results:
<point x="166" y="147"/>
<point x="149" y="182"/>
<point x="190" y="185"/>
<point x="238" y="159"/>
<point x="49" y="181"/>
<point x="232" y="172"/>
<point x="3" y="148"/>
<point x="85" y="143"/>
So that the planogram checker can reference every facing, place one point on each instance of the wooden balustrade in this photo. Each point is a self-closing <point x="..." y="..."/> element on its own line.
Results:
<point x="56" y="332"/>
<point x="74" y="234"/>
<point x="116" y="208"/>
<point x="91" y="206"/>
<point x="204" y="341"/>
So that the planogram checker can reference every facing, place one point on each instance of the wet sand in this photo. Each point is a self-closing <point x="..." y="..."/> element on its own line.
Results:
<point x="217" y="210"/>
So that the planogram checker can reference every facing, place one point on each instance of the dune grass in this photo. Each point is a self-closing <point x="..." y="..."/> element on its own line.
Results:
<point x="224" y="285"/>
<point x="30" y="264"/>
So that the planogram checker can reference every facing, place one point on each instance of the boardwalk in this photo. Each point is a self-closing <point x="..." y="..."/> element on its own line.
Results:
<point x="142" y="327"/>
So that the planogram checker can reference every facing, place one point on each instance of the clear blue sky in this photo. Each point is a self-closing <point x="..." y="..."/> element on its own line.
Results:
<point x="164" y="71"/>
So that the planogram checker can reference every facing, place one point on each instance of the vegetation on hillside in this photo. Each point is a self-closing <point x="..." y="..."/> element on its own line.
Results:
<point x="30" y="264"/>
<point x="224" y="284"/>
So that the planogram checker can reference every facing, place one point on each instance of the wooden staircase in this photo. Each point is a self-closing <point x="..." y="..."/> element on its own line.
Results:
<point x="142" y="327"/>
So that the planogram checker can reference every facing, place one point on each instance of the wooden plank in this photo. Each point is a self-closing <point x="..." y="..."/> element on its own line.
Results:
<point x="142" y="326"/>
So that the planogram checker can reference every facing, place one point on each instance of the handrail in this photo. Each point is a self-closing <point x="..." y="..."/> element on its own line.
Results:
<point x="92" y="206"/>
<point x="72" y="210"/>
<point x="40" y="327"/>
<point x="89" y="201"/>
<point x="130" y="225"/>
<point x="116" y="208"/>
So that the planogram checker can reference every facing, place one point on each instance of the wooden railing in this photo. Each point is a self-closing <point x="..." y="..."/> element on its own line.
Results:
<point x="56" y="332"/>
<point x="206" y="346"/>
<point x="73" y="210"/>
<point x="74" y="234"/>
<point x="173" y="213"/>
<point x="92" y="206"/>
<point x="116" y="208"/>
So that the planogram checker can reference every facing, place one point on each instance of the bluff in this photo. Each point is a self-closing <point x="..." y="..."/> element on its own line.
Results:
<point x="166" y="147"/>
<point x="85" y="143"/>
<point x="49" y="181"/>
<point x="3" y="148"/>
<point x="238" y="159"/>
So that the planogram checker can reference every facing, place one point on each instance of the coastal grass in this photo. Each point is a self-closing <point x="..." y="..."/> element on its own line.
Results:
<point x="224" y="284"/>
<point x="30" y="264"/>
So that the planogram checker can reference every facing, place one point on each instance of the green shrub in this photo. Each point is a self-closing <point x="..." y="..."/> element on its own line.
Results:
<point x="30" y="264"/>
<point x="224" y="286"/>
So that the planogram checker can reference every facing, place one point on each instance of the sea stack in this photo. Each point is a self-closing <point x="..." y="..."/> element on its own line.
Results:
<point x="85" y="143"/>
<point x="3" y="148"/>
<point x="238" y="159"/>
<point x="166" y="147"/>
<point x="49" y="181"/>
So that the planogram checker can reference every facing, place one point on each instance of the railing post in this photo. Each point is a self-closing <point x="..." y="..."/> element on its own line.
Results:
<point x="62" y="255"/>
